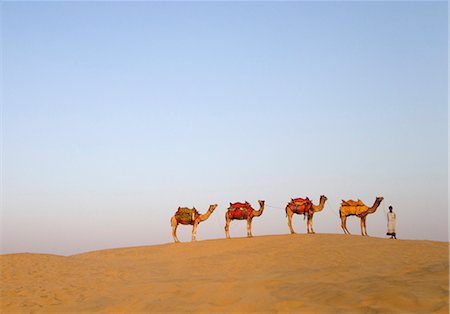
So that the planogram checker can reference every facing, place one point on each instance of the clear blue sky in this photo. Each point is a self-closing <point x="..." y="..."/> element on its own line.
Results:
<point x="114" y="114"/>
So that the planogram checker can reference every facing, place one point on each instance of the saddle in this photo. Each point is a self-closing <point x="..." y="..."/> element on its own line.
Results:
<point x="186" y="216"/>
<point x="300" y="205"/>
<point x="352" y="203"/>
<point x="353" y="207"/>
<point x="238" y="205"/>
<point x="239" y="210"/>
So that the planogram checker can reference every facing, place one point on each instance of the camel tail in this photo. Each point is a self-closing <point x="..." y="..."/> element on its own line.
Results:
<point x="286" y="209"/>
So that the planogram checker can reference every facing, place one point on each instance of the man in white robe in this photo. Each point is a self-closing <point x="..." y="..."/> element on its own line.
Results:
<point x="391" y="218"/>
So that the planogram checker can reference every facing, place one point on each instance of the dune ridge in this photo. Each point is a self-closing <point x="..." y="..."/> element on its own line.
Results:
<point x="321" y="273"/>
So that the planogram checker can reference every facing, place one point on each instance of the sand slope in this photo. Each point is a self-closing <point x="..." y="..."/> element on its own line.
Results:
<point x="320" y="273"/>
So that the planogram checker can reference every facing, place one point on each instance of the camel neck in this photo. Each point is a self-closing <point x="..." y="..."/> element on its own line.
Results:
<point x="375" y="206"/>
<point x="321" y="205"/>
<point x="258" y="212"/>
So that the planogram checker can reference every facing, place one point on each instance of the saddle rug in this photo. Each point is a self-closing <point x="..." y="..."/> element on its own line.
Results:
<point x="352" y="203"/>
<point x="300" y="205"/>
<point x="186" y="216"/>
<point x="353" y="207"/>
<point x="239" y="210"/>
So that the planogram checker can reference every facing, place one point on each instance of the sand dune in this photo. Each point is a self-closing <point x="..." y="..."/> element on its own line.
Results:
<point x="320" y="273"/>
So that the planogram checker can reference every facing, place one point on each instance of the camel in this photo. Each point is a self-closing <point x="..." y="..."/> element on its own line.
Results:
<point x="241" y="211"/>
<point x="186" y="216"/>
<point x="350" y="208"/>
<point x="306" y="208"/>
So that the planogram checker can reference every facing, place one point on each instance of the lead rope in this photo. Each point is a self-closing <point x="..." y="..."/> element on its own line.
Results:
<point x="334" y="212"/>
<point x="217" y="219"/>
<point x="273" y="206"/>
<point x="276" y="207"/>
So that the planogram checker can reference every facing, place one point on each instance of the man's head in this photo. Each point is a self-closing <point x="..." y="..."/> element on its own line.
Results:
<point x="390" y="209"/>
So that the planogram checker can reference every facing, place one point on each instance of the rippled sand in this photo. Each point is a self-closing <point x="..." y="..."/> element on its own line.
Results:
<point x="323" y="273"/>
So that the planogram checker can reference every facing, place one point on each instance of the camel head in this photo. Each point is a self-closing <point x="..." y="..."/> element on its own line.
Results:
<point x="377" y="203"/>
<point x="261" y="203"/>
<point x="212" y="207"/>
<point x="323" y="197"/>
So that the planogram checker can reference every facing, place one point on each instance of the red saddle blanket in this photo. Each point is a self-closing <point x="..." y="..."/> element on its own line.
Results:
<point x="239" y="210"/>
<point x="300" y="205"/>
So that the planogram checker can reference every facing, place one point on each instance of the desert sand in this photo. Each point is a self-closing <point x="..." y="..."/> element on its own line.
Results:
<point x="321" y="273"/>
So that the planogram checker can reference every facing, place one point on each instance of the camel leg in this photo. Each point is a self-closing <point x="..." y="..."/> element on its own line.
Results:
<point x="310" y="223"/>
<point x="363" y="222"/>
<point x="307" y="225"/>
<point x="289" y="215"/>
<point x="174" y="224"/>
<point x="194" y="231"/>
<point x="249" y="228"/>
<point x="227" y="226"/>
<point x="344" y="224"/>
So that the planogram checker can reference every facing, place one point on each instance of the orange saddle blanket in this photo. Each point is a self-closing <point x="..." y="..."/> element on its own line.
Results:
<point x="300" y="205"/>
<point x="352" y="203"/>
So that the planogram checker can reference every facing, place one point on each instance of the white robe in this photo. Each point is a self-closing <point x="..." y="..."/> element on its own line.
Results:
<point x="391" y="222"/>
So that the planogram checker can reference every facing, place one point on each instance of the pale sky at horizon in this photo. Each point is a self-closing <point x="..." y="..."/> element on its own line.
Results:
<point x="114" y="114"/>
